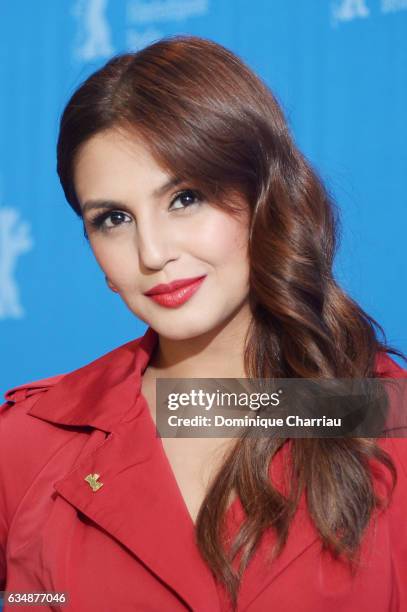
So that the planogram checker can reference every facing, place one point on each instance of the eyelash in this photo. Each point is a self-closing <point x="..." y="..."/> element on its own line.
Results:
<point x="98" y="221"/>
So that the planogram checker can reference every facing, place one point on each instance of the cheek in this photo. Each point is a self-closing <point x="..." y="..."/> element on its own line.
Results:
<point x="116" y="259"/>
<point x="224" y="240"/>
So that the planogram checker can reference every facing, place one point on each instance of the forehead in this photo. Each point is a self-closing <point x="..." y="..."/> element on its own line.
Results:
<point x="113" y="160"/>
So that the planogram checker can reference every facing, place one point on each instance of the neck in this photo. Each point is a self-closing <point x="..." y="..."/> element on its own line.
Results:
<point x="218" y="353"/>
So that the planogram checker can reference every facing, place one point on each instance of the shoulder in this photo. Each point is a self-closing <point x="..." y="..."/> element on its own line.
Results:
<point x="396" y="511"/>
<point x="40" y="418"/>
<point x="22" y="397"/>
<point x="67" y="399"/>
<point x="15" y="395"/>
<point x="19" y="399"/>
<point x="397" y="449"/>
<point x="387" y="367"/>
<point x="24" y="441"/>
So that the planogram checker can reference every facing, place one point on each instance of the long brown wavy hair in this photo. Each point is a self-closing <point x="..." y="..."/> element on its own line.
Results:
<point x="208" y="119"/>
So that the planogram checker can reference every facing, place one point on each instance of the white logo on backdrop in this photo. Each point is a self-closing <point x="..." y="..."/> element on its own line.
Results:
<point x="392" y="6"/>
<point x="138" y="39"/>
<point x="145" y="14"/>
<point x="347" y="10"/>
<point x="15" y="239"/>
<point x="165" y="10"/>
<point x="94" y="33"/>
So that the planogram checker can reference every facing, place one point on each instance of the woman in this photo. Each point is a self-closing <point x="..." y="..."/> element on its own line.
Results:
<point x="214" y="230"/>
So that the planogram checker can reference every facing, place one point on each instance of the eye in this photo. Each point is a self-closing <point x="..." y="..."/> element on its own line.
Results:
<point x="185" y="199"/>
<point x="110" y="220"/>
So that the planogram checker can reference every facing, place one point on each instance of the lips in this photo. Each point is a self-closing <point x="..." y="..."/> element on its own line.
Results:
<point x="175" y="293"/>
<point x="170" y="287"/>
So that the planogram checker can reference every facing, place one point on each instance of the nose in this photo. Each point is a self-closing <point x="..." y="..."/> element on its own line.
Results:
<point x="156" y="245"/>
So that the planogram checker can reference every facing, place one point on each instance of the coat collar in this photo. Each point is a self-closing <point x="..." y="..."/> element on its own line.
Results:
<point x="100" y="393"/>
<point x="89" y="395"/>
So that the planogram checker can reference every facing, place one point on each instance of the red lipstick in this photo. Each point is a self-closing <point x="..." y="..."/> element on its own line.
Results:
<point x="175" y="293"/>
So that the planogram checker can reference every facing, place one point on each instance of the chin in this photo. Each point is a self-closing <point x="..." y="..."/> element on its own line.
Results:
<point x="184" y="328"/>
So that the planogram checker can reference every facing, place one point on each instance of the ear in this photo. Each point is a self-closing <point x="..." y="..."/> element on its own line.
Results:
<point x="110" y="284"/>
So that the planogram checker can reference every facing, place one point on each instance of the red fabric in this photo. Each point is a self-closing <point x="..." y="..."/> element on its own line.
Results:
<point x="130" y="546"/>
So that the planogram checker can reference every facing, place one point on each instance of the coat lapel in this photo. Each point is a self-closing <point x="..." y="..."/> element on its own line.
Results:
<point x="302" y="535"/>
<point x="140" y="505"/>
<point x="259" y="575"/>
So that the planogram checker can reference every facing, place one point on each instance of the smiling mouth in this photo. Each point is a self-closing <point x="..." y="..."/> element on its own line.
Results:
<point x="177" y="296"/>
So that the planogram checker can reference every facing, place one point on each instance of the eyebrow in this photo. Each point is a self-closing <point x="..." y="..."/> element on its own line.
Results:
<point x="111" y="204"/>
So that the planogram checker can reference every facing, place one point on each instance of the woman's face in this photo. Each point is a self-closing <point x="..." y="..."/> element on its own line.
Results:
<point x="145" y="231"/>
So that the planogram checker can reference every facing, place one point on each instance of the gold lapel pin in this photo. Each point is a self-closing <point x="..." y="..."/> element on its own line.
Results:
<point x="92" y="480"/>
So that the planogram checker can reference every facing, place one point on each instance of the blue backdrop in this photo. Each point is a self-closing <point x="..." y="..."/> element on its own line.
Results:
<point x="339" y="71"/>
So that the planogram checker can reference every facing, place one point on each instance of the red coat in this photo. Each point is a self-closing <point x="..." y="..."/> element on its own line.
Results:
<point x="130" y="546"/>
